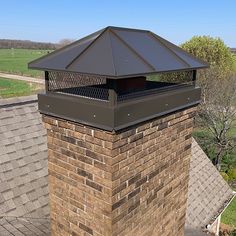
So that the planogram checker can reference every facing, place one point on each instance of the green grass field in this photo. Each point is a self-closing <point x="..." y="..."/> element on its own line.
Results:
<point x="15" y="61"/>
<point x="229" y="215"/>
<point x="15" y="88"/>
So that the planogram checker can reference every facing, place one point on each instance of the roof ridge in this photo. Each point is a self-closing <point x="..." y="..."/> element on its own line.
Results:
<point x="125" y="28"/>
<point x="65" y="47"/>
<point x="112" y="55"/>
<point x="133" y="50"/>
<point x="10" y="102"/>
<point x="178" y="48"/>
<point x="83" y="51"/>
<point x="163" y="43"/>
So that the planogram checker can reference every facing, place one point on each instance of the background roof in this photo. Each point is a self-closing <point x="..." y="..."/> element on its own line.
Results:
<point x="208" y="192"/>
<point x="119" y="52"/>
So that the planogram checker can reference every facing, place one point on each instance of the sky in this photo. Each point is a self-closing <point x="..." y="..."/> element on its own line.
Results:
<point x="175" y="20"/>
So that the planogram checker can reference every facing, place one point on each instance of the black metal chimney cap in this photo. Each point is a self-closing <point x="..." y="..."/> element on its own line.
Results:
<point x="118" y="53"/>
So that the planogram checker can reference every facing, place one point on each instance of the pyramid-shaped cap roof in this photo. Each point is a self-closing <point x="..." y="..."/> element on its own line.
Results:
<point x="119" y="52"/>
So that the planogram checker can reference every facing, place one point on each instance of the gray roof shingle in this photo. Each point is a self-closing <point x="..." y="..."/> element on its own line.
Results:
<point x="208" y="192"/>
<point x="23" y="168"/>
<point x="10" y="226"/>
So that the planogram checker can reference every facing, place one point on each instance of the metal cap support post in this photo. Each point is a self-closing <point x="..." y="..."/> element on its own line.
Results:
<point x="194" y="77"/>
<point x="112" y="85"/>
<point x="46" y="81"/>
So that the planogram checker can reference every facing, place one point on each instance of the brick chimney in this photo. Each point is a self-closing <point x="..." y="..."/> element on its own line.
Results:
<point x="118" y="143"/>
<point x="131" y="182"/>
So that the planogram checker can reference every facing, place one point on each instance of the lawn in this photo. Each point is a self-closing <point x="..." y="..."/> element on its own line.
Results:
<point x="15" y="88"/>
<point x="229" y="215"/>
<point x="205" y="140"/>
<point x="16" y="61"/>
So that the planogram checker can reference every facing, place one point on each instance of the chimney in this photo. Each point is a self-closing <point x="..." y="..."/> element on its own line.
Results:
<point x="118" y="143"/>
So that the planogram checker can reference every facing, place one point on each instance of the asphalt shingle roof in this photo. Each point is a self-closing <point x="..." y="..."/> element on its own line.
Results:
<point x="23" y="165"/>
<point x="24" y="208"/>
<point x="208" y="192"/>
<point x="12" y="226"/>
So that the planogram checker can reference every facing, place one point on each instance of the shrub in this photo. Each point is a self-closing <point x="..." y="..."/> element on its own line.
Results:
<point x="233" y="233"/>
<point x="225" y="176"/>
<point x="232" y="173"/>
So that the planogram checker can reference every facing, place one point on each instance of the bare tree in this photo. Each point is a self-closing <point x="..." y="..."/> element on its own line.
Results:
<point x="64" y="42"/>
<point x="218" y="112"/>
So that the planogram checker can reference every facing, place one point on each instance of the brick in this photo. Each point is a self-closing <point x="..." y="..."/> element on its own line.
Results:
<point x="94" y="155"/>
<point x="127" y="133"/>
<point x="101" y="135"/>
<point x="162" y="126"/>
<point x="85" y="228"/>
<point x="135" y="205"/>
<point x="153" y="174"/>
<point x="119" y="188"/>
<point x="141" y="182"/>
<point x="134" y="193"/>
<point x="151" y="198"/>
<point x="135" y="137"/>
<point x="93" y="140"/>
<point x="84" y="173"/>
<point x="94" y="185"/>
<point x="84" y="159"/>
<point x="168" y="192"/>
<point x="187" y="147"/>
<point x="134" y="179"/>
<point x="119" y="203"/>
<point x="102" y="166"/>
<point x="68" y="139"/>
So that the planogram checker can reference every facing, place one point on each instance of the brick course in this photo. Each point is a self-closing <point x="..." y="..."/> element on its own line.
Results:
<point x="131" y="182"/>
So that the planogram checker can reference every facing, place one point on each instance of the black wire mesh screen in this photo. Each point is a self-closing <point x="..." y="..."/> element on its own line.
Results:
<point x="151" y="88"/>
<point x="159" y="83"/>
<point x="178" y="77"/>
<point x="93" y="87"/>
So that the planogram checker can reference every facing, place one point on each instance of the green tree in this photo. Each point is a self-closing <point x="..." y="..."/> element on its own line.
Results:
<point x="213" y="51"/>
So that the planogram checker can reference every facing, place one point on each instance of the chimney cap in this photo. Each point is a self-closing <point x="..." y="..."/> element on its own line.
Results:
<point x="117" y="53"/>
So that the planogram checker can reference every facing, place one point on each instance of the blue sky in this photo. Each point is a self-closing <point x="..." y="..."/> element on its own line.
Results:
<point x="176" y="20"/>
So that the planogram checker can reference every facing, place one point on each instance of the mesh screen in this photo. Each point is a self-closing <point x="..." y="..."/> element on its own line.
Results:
<point x="93" y="87"/>
<point x="178" y="77"/>
<point x="151" y="88"/>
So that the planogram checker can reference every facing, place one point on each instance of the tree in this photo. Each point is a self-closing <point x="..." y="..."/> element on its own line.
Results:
<point x="218" y="83"/>
<point x="64" y="42"/>
<point x="213" y="51"/>
<point x="218" y="114"/>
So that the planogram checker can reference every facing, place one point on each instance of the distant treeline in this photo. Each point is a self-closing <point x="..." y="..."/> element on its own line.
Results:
<point x="233" y="50"/>
<point x="26" y="44"/>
